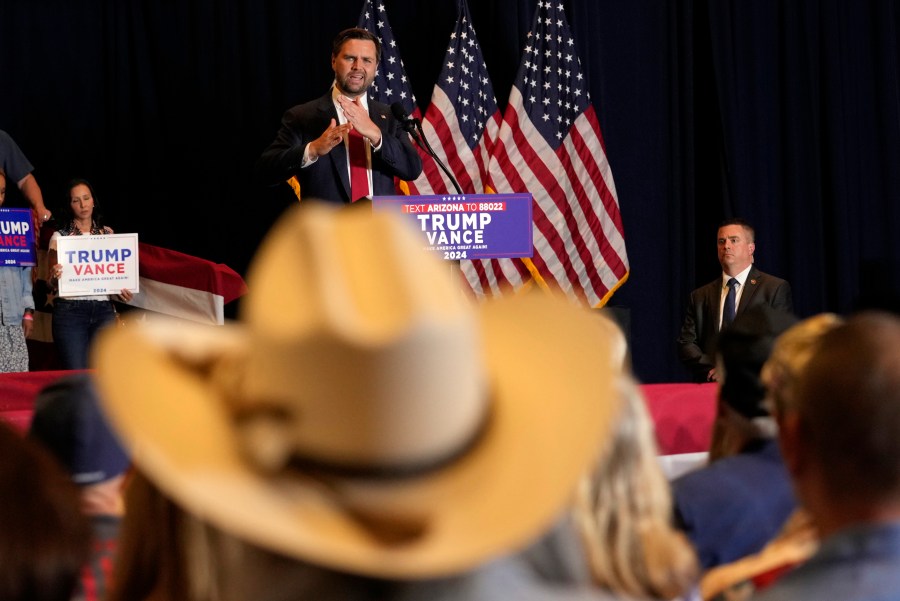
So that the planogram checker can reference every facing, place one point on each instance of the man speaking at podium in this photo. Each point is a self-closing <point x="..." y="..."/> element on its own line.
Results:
<point x="342" y="147"/>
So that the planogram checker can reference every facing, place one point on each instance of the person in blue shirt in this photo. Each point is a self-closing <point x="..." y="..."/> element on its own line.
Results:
<point x="16" y="309"/>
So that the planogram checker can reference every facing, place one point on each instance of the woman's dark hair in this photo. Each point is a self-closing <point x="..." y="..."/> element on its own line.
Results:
<point x="68" y="215"/>
<point x="46" y="538"/>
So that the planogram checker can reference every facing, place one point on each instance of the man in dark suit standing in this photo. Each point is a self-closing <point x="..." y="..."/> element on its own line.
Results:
<point x="715" y="305"/>
<point x="342" y="147"/>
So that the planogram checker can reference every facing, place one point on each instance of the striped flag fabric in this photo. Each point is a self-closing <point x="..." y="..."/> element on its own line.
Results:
<point x="462" y="120"/>
<point x="183" y="286"/>
<point x="461" y="125"/>
<point x="550" y="145"/>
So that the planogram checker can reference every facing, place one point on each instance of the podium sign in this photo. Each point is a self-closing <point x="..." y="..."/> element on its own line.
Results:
<point x="17" y="238"/>
<point x="468" y="226"/>
<point x="98" y="264"/>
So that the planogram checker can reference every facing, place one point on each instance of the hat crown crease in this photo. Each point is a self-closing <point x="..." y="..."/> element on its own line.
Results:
<point x="378" y="361"/>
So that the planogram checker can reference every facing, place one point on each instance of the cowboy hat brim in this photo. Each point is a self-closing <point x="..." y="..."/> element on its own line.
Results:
<point x="552" y="405"/>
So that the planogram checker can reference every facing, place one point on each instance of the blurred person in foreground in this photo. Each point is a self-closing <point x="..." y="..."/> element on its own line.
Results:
<point x="734" y="505"/>
<point x="623" y="511"/>
<point x="68" y="421"/>
<point x="382" y="439"/>
<point x="797" y="539"/>
<point x="44" y="538"/>
<point x="621" y="520"/>
<point x="841" y="443"/>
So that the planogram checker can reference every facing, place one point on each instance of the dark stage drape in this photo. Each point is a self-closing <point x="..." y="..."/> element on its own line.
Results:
<point x="784" y="113"/>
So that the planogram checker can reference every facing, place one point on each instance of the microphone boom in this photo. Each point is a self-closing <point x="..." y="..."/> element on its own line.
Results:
<point x="414" y="128"/>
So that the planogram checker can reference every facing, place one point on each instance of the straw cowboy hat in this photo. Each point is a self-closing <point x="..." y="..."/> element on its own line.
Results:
<point x="363" y="414"/>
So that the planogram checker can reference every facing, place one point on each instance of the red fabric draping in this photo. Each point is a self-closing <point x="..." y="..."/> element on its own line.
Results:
<point x="17" y="393"/>
<point x="683" y="413"/>
<point x="179" y="269"/>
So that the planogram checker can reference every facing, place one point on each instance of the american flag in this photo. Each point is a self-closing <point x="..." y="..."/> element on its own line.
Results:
<point x="462" y="121"/>
<point x="391" y="84"/>
<point x="550" y="145"/>
<point x="461" y="125"/>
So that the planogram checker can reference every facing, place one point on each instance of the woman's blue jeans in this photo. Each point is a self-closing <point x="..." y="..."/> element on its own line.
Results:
<point x="75" y="323"/>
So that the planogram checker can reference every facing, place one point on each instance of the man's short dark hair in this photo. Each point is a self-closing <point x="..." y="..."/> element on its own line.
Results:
<point x="356" y="33"/>
<point x="751" y="233"/>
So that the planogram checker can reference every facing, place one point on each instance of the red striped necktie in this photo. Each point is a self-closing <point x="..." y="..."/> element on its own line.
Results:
<point x="359" y="166"/>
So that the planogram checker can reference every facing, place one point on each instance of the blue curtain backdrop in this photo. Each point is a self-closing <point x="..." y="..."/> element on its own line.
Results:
<point x="785" y="113"/>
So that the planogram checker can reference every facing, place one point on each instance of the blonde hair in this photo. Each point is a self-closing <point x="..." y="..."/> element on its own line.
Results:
<point x="623" y="511"/>
<point x="792" y="351"/>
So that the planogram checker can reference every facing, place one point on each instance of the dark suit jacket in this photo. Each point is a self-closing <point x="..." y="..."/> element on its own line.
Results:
<point x="328" y="178"/>
<point x="697" y="342"/>
<point x="735" y="505"/>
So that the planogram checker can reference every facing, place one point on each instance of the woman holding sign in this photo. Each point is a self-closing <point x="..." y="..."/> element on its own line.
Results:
<point x="77" y="319"/>
<point x="16" y="309"/>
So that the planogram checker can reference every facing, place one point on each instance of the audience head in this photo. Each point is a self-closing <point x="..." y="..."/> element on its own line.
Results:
<point x="843" y="443"/>
<point x="69" y="422"/>
<point x="382" y="425"/>
<point x="742" y="349"/>
<point x="45" y="538"/>
<point x="2" y="186"/>
<point x="742" y="414"/>
<point x="624" y="512"/>
<point x="790" y="354"/>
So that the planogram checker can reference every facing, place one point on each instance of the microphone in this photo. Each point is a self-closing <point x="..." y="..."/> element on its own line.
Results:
<point x="414" y="128"/>
<point x="407" y="121"/>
